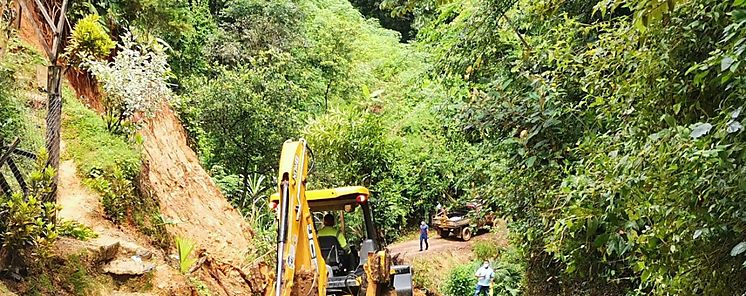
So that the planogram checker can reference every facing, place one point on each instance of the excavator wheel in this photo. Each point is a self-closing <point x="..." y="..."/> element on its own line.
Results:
<point x="466" y="233"/>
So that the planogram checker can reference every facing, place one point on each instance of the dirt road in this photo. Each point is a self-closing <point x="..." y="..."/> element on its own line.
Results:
<point x="409" y="250"/>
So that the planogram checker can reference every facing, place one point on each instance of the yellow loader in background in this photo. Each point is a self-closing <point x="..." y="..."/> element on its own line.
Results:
<point x="307" y="265"/>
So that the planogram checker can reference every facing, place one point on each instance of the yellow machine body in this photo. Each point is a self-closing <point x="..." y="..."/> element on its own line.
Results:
<point x="300" y="270"/>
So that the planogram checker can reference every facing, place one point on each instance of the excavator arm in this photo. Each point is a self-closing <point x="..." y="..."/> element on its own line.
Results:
<point x="300" y="269"/>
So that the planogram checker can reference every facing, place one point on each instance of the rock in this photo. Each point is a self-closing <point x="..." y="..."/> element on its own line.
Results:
<point x="96" y="252"/>
<point x="128" y="267"/>
<point x="145" y="254"/>
<point x="105" y="253"/>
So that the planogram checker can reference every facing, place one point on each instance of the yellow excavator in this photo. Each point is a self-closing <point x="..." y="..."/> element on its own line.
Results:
<point x="308" y="265"/>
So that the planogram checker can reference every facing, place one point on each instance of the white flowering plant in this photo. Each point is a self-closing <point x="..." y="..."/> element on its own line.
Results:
<point x="135" y="83"/>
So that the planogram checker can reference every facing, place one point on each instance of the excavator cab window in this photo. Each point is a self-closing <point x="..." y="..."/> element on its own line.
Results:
<point x="341" y="260"/>
<point x="333" y="254"/>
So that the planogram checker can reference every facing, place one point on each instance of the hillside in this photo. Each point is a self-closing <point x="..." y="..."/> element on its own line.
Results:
<point x="188" y="198"/>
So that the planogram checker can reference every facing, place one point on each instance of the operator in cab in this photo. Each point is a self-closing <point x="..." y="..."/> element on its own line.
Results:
<point x="330" y="231"/>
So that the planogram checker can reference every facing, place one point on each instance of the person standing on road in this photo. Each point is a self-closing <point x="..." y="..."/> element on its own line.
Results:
<point x="484" y="276"/>
<point x="423" y="235"/>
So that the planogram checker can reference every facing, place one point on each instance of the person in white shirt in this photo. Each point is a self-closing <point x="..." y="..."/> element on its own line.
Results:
<point x="484" y="276"/>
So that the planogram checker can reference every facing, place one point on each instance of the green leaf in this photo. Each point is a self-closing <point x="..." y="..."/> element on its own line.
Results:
<point x="530" y="161"/>
<point x="645" y="275"/>
<point x="738" y="249"/>
<point x="669" y="120"/>
<point x="725" y="63"/>
<point x="697" y="233"/>
<point x="700" y="129"/>
<point x="700" y="76"/>
<point x="677" y="108"/>
<point x="185" y="248"/>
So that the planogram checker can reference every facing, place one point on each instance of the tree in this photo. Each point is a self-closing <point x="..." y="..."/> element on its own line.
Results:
<point x="245" y="115"/>
<point x="248" y="27"/>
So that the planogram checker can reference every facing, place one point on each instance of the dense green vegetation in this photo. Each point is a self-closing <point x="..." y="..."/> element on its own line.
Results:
<point x="608" y="133"/>
<point x="613" y="138"/>
<point x="16" y="113"/>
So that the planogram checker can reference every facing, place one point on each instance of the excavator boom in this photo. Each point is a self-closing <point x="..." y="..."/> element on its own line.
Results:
<point x="300" y="268"/>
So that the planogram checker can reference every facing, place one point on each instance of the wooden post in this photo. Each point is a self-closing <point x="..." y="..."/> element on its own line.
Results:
<point x="18" y="17"/>
<point x="4" y="40"/>
<point x="342" y="222"/>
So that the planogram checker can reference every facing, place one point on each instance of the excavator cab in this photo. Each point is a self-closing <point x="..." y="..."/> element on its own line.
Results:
<point x="345" y="275"/>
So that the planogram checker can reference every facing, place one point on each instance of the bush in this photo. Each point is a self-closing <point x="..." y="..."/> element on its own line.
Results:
<point x="75" y="230"/>
<point x="89" y="41"/>
<point x="509" y="273"/>
<point x="485" y="250"/>
<point x="134" y="83"/>
<point x="461" y="280"/>
<point x="27" y="227"/>
<point x="118" y="194"/>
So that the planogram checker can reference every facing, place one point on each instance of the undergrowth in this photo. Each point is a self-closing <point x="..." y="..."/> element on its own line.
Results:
<point x="507" y="264"/>
<point x="72" y="275"/>
<point x="202" y="289"/>
<point x="75" y="230"/>
<point x="18" y="118"/>
<point x="27" y="223"/>
<point x="485" y="250"/>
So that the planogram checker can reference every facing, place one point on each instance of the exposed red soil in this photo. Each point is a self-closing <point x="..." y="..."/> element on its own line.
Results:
<point x="86" y="89"/>
<point x="190" y="198"/>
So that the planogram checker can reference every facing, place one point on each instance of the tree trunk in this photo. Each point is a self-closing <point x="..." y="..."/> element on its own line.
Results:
<point x="326" y="94"/>
<point x="54" y="115"/>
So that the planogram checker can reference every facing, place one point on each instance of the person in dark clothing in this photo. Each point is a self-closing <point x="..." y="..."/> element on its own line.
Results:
<point x="423" y="235"/>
